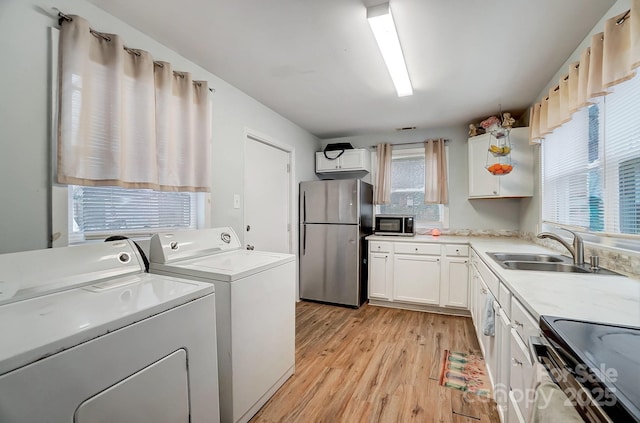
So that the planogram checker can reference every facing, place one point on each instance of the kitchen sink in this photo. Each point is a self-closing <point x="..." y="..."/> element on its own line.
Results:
<point x="544" y="263"/>
<point x="501" y="257"/>
<point x="544" y="266"/>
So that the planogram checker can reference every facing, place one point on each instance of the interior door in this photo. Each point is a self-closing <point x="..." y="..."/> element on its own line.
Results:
<point x="267" y="197"/>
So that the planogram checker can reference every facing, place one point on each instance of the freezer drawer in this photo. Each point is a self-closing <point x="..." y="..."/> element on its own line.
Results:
<point x="330" y="263"/>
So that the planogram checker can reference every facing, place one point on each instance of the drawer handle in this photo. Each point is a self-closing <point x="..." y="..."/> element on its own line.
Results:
<point x="516" y="363"/>
<point x="517" y="324"/>
<point x="416" y="248"/>
<point x="378" y="247"/>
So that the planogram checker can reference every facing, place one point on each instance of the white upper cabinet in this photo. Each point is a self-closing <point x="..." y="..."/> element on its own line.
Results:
<point x="356" y="160"/>
<point x="518" y="183"/>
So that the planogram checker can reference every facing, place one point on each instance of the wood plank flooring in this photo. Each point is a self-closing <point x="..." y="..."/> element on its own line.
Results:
<point x="375" y="364"/>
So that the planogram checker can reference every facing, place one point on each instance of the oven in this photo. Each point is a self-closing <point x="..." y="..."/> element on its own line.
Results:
<point x="596" y="365"/>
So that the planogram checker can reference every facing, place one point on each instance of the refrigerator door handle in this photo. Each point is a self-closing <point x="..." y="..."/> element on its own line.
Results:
<point x="304" y="239"/>
<point x="304" y="207"/>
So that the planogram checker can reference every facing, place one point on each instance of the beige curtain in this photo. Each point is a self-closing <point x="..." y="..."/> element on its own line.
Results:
<point x="435" y="172"/>
<point x="382" y="193"/>
<point x="123" y="121"/>
<point x="634" y="22"/>
<point x="609" y="60"/>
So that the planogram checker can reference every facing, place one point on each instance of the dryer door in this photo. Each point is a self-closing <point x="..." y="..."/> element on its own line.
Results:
<point x="158" y="393"/>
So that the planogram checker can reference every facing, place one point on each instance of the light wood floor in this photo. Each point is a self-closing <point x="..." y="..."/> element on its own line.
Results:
<point x="374" y="364"/>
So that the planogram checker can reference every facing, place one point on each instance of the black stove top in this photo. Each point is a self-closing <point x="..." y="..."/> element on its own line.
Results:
<point x="603" y="354"/>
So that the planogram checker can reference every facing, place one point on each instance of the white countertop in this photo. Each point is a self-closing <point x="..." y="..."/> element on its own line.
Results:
<point x="602" y="298"/>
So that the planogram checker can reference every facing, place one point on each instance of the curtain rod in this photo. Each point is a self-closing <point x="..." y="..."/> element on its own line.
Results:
<point x="64" y="17"/>
<point x="409" y="143"/>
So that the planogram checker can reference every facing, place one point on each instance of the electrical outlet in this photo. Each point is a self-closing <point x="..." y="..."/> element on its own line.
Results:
<point x="236" y="201"/>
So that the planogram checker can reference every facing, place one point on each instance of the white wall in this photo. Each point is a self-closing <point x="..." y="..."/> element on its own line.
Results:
<point x="25" y="115"/>
<point x="463" y="213"/>
<point x="530" y="211"/>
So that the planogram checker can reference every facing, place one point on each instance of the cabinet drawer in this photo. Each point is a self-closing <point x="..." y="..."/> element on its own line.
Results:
<point x="380" y="247"/>
<point x="457" y="250"/>
<point x="492" y="281"/>
<point x="522" y="322"/>
<point x="521" y="378"/>
<point x="414" y="248"/>
<point x="504" y="298"/>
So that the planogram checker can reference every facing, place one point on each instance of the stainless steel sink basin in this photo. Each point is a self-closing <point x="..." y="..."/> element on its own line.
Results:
<point x="544" y="266"/>
<point x="543" y="262"/>
<point x="528" y="257"/>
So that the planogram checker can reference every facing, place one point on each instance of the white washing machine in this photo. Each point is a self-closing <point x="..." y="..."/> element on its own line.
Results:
<point x="255" y="311"/>
<point x="87" y="337"/>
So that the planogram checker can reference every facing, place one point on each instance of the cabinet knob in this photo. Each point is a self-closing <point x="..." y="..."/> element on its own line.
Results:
<point x="495" y="192"/>
<point x="484" y="291"/>
<point x="516" y="363"/>
<point x="416" y="248"/>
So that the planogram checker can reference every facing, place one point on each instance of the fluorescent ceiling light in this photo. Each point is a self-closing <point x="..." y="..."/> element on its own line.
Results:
<point x="384" y="29"/>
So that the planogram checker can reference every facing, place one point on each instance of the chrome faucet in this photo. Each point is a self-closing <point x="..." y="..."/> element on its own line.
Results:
<point x="577" y="251"/>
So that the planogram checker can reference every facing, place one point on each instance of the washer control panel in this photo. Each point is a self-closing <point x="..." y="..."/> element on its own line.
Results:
<point x="171" y="246"/>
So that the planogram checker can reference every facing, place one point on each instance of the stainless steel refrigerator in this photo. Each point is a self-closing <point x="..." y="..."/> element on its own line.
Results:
<point x="335" y="218"/>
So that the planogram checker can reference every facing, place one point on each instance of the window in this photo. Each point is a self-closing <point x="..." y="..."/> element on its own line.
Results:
<point x="407" y="191"/>
<point x="591" y="166"/>
<point x="97" y="212"/>
<point x="84" y="213"/>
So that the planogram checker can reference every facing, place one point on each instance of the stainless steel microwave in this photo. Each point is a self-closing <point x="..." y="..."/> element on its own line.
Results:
<point x="395" y="224"/>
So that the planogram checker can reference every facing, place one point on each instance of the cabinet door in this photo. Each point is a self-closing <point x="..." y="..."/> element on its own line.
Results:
<point x="521" y="375"/>
<point x="501" y="388"/>
<point x="481" y="182"/>
<point x="379" y="276"/>
<point x="488" y="344"/>
<point x="519" y="183"/>
<point x="353" y="159"/>
<point x="416" y="279"/>
<point x="323" y="164"/>
<point x="455" y="283"/>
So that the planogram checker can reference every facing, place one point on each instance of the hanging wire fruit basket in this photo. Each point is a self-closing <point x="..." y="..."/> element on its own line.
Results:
<point x="499" y="152"/>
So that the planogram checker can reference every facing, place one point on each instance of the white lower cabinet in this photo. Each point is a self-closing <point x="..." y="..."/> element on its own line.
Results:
<point x="521" y="376"/>
<point x="419" y="274"/>
<point x="416" y="279"/>
<point x="455" y="293"/>
<point x="501" y="387"/>
<point x="380" y="274"/>
<point x="506" y="354"/>
<point x="487" y="342"/>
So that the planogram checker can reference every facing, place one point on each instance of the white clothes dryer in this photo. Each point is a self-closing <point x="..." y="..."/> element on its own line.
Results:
<point x="255" y="311"/>
<point x="87" y="336"/>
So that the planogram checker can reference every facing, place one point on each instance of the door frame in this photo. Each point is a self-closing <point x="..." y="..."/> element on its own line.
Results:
<point x="255" y="136"/>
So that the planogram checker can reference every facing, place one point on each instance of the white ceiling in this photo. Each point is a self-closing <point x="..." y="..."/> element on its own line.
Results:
<point x="316" y="61"/>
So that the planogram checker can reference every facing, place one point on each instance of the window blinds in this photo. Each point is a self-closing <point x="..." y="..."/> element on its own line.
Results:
<point x="591" y="166"/>
<point x="622" y="158"/>
<point x="97" y="212"/>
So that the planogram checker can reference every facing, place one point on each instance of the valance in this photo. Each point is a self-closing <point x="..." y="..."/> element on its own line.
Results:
<point x="609" y="60"/>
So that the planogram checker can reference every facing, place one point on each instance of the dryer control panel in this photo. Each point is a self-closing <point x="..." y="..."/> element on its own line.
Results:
<point x="169" y="247"/>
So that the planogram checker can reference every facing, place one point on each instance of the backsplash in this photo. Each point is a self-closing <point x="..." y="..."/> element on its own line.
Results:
<point x="626" y="264"/>
<point x="475" y="232"/>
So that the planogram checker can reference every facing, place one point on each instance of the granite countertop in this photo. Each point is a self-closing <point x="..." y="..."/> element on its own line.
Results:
<point x="602" y="298"/>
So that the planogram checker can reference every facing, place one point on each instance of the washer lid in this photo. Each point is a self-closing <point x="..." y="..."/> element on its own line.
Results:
<point x="38" y="327"/>
<point x="229" y="266"/>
